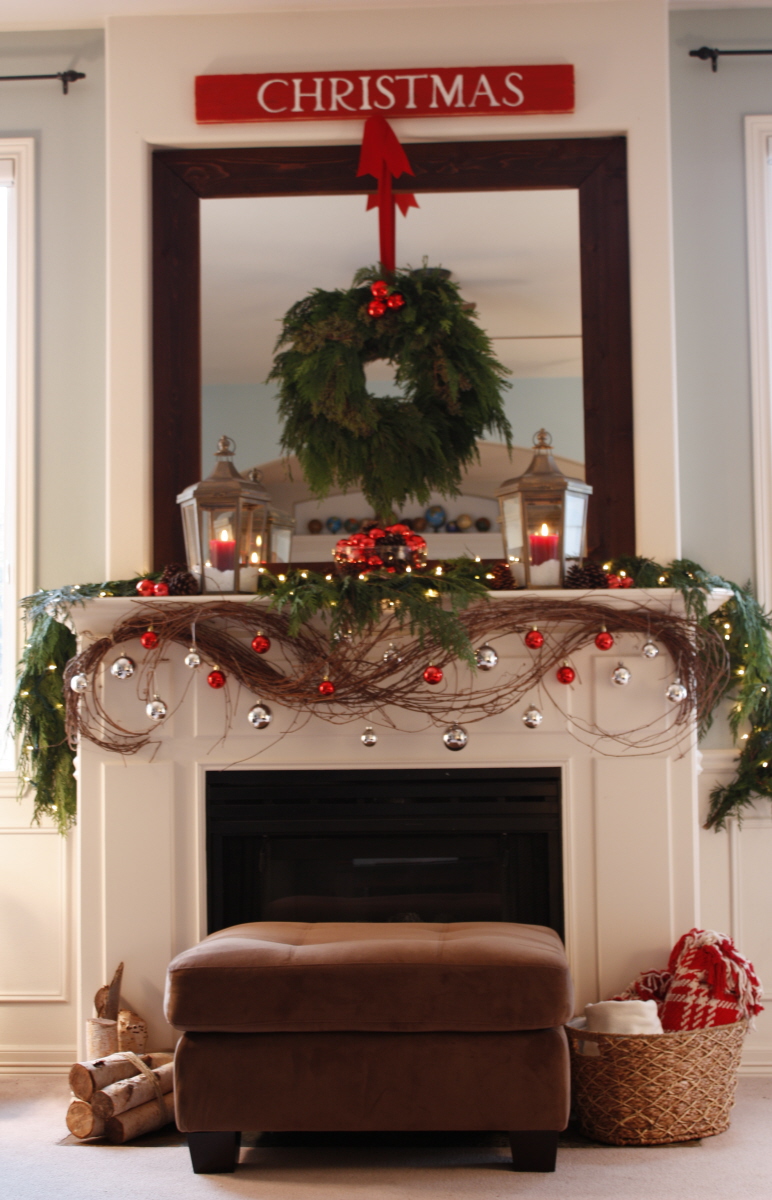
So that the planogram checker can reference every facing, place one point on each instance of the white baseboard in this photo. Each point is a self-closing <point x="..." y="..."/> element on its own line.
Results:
<point x="37" y="1059"/>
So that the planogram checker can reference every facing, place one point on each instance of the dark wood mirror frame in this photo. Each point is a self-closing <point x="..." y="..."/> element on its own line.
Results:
<point x="597" y="167"/>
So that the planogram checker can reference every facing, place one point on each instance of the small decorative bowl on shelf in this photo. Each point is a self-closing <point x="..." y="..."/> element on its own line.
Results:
<point x="393" y="548"/>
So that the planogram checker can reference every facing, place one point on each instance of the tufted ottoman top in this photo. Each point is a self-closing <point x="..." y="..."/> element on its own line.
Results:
<point x="290" y="976"/>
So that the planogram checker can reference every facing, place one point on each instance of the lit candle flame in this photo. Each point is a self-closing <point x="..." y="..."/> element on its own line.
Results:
<point x="545" y="529"/>
<point x="225" y="535"/>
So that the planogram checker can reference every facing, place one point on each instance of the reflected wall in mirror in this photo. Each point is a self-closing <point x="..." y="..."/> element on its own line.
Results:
<point x="514" y="254"/>
<point x="535" y="233"/>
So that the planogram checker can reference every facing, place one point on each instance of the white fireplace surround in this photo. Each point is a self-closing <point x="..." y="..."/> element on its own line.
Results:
<point x="630" y="821"/>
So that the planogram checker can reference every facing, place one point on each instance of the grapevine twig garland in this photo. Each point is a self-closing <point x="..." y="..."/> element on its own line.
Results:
<point x="353" y="606"/>
<point x="366" y="683"/>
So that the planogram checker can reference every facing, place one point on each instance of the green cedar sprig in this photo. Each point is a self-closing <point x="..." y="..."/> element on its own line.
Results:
<point x="45" y="759"/>
<point x="354" y="605"/>
<point x="745" y="629"/>
<point x="394" y="448"/>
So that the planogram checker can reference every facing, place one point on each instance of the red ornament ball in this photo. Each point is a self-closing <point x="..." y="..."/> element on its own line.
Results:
<point x="160" y="589"/>
<point x="566" y="674"/>
<point x="260" y="643"/>
<point x="396" y="300"/>
<point x="216" y="678"/>
<point x="534" y="639"/>
<point x="149" y="639"/>
<point x="379" y="289"/>
<point x="433" y="674"/>
<point x="376" y="308"/>
<point x="326" y="688"/>
<point x="146" y="587"/>
<point x="604" y="640"/>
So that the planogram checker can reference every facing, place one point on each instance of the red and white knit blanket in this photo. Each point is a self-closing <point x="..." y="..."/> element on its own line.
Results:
<point x="707" y="982"/>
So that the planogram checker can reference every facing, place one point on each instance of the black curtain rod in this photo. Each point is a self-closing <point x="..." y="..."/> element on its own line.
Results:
<point x="67" y="77"/>
<point x="709" y="52"/>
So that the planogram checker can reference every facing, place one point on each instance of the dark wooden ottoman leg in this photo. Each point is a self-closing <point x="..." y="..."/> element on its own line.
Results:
<point x="534" y="1150"/>
<point x="213" y="1153"/>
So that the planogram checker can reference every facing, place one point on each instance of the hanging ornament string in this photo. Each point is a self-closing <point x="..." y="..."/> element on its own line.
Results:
<point x="358" y="680"/>
<point x="383" y="156"/>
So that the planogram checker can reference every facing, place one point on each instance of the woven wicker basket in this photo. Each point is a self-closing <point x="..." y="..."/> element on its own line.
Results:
<point x="644" y="1090"/>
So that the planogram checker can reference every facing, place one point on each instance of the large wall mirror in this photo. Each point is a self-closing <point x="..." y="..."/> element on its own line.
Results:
<point x="535" y="233"/>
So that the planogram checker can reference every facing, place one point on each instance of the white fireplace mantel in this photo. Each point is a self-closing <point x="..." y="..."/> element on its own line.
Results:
<point x="630" y="821"/>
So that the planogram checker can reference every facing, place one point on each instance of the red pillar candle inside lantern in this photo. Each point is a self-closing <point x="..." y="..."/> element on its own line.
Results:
<point x="222" y="552"/>
<point x="543" y="545"/>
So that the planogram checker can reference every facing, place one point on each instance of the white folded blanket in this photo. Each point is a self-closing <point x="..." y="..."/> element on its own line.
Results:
<point x="623" y="1016"/>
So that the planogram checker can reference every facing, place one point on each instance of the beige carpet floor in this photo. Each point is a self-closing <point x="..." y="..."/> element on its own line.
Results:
<point x="39" y="1161"/>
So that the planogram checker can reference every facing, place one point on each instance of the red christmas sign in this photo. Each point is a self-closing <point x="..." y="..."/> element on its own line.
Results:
<point x="352" y="95"/>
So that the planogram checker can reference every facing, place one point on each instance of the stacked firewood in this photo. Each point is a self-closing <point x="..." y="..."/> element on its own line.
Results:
<point x="116" y="1098"/>
<point x="120" y="1092"/>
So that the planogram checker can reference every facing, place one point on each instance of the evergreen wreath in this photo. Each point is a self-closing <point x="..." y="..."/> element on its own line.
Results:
<point x="393" y="448"/>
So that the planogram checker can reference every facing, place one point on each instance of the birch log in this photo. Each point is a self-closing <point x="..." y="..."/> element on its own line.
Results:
<point x="136" y="1121"/>
<point x="132" y="1032"/>
<point x="82" y="1121"/>
<point x="89" y="1077"/>
<point x="101" y="1037"/>
<point x="129" y="1093"/>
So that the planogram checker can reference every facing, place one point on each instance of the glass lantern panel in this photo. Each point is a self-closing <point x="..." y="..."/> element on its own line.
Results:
<point x="513" y="536"/>
<point x="251" y="545"/>
<point x="543" y="520"/>
<point x="281" y="543"/>
<point x="218" y="526"/>
<point x="192" y="544"/>
<point x="573" y="529"/>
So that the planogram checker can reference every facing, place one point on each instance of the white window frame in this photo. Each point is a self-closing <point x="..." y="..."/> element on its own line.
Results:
<point x="758" y="175"/>
<point x="20" y="569"/>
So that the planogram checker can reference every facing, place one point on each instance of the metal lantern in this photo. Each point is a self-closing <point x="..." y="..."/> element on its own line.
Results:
<point x="543" y="519"/>
<point x="228" y="524"/>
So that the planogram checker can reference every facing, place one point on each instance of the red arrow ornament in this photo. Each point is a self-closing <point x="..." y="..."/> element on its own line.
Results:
<point x="383" y="156"/>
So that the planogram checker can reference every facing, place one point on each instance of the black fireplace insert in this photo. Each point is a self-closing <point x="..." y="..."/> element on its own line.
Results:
<point x="385" y="845"/>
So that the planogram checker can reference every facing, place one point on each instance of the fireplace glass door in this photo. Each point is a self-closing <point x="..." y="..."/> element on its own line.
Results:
<point x="434" y="846"/>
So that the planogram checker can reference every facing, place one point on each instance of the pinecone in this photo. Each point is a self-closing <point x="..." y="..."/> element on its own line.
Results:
<point x="590" y="575"/>
<point x="179" y="580"/>
<point x="172" y="569"/>
<point x="503" y="579"/>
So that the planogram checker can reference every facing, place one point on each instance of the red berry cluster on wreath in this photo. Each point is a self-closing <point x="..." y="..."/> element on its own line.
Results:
<point x="393" y="547"/>
<point x="383" y="299"/>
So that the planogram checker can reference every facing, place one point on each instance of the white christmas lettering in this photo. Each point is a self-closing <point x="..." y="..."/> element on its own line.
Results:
<point x="338" y="93"/>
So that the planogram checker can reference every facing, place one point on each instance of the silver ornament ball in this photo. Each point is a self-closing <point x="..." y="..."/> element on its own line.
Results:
<point x="156" y="709"/>
<point x="369" y="737"/>
<point x="455" y="738"/>
<point x="486" y="658"/>
<point x="192" y="658"/>
<point x="259" y="716"/>
<point x="532" y="718"/>
<point x="391" y="654"/>
<point x="620" y="676"/>
<point x="123" y="667"/>
<point x="676" y="692"/>
<point x="650" y="650"/>
<point x="79" y="683"/>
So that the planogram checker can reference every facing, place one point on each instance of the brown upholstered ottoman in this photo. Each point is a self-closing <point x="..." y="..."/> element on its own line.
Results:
<point x="295" y="1026"/>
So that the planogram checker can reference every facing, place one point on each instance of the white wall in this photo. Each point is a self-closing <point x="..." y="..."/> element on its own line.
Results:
<point x="711" y="278"/>
<point x="70" y="367"/>
<point x="37" y="972"/>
